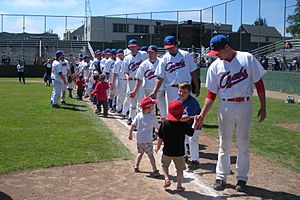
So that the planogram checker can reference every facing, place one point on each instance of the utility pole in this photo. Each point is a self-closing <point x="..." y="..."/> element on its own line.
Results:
<point x="88" y="14"/>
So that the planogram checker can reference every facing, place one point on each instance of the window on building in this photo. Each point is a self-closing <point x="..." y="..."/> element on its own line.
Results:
<point x="120" y="28"/>
<point x="141" y="28"/>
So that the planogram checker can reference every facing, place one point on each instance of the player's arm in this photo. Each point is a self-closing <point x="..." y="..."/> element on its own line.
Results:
<point x="131" y="131"/>
<point x="115" y="77"/>
<point x="196" y="82"/>
<point x="159" y="143"/>
<point x="158" y="82"/>
<point x="185" y="118"/>
<point x="260" y="88"/>
<point x="209" y="101"/>
<point x="62" y="77"/>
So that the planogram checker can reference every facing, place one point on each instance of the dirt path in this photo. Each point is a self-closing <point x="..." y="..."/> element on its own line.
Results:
<point x="115" y="179"/>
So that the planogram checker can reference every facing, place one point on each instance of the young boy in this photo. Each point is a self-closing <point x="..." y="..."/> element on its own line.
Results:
<point x="172" y="133"/>
<point x="144" y="122"/>
<point x="191" y="109"/>
<point x="101" y="95"/>
<point x="80" y="87"/>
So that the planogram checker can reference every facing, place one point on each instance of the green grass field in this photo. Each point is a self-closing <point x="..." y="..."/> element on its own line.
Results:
<point x="34" y="135"/>
<point x="268" y="139"/>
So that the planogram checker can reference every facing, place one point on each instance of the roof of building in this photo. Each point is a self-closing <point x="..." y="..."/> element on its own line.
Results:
<point x="269" y="31"/>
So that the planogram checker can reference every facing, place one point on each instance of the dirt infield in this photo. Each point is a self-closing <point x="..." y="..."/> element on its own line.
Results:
<point x="115" y="179"/>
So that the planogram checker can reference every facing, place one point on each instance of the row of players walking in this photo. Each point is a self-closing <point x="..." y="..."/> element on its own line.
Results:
<point x="132" y="85"/>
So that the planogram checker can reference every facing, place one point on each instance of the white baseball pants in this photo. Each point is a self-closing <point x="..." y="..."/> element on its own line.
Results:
<point x="172" y="93"/>
<point x="132" y="101"/>
<point x="58" y="86"/>
<point x="121" y="92"/>
<point x="238" y="117"/>
<point x="193" y="143"/>
<point x="161" y="101"/>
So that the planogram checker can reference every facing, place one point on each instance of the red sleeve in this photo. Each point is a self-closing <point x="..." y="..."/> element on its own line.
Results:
<point x="210" y="95"/>
<point x="259" y="85"/>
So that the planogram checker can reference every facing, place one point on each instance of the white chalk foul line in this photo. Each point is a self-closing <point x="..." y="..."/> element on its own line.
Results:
<point x="204" y="189"/>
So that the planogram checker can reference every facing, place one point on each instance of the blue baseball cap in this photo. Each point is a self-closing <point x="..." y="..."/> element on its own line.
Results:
<point x="120" y="52"/>
<point x="152" y="48"/>
<point x="103" y="52"/>
<point x="170" y="42"/>
<point x="59" y="53"/>
<point x="107" y="51"/>
<point x="217" y="43"/>
<point x="98" y="52"/>
<point x="86" y="56"/>
<point x="113" y="51"/>
<point x="144" y="48"/>
<point x="132" y="43"/>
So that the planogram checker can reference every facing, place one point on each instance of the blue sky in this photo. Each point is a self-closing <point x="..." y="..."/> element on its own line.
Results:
<point x="272" y="10"/>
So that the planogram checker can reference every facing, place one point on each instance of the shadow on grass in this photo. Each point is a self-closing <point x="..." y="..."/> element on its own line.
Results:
<point x="72" y="108"/>
<point x="4" y="196"/>
<point x="263" y="193"/>
<point x="210" y="126"/>
<point x="75" y="105"/>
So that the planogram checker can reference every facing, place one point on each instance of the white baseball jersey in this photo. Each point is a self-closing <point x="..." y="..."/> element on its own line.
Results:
<point x="131" y="63"/>
<point x="56" y="69"/>
<point x="235" y="78"/>
<point x="96" y="63"/>
<point x="65" y="67"/>
<point x="109" y="67"/>
<point x="118" y="69"/>
<point x="102" y="63"/>
<point x="85" y="69"/>
<point x="176" y="69"/>
<point x="146" y="73"/>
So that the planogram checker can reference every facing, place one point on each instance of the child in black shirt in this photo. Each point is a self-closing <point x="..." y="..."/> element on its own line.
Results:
<point x="172" y="133"/>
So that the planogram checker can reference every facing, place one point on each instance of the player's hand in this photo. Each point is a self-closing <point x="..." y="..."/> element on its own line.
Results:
<point x="197" y="91"/>
<point x="129" y="78"/>
<point x="262" y="114"/>
<point x="152" y="95"/>
<point x="162" y="119"/>
<point x="130" y="137"/>
<point x="199" y="119"/>
<point x="132" y="94"/>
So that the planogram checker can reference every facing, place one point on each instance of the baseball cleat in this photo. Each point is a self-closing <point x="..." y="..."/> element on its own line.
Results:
<point x="219" y="185"/>
<point x="241" y="186"/>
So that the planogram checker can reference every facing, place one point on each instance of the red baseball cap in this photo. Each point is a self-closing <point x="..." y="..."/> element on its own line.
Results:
<point x="147" y="102"/>
<point x="175" y="110"/>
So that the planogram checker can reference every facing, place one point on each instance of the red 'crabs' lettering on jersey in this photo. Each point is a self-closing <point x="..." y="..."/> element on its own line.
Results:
<point x="149" y="74"/>
<point x="111" y="65"/>
<point x="64" y="64"/>
<point x="133" y="66"/>
<point x="171" y="66"/>
<point x="227" y="81"/>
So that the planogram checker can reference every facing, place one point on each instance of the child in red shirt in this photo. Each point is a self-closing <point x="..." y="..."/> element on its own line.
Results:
<point x="101" y="94"/>
<point x="80" y="87"/>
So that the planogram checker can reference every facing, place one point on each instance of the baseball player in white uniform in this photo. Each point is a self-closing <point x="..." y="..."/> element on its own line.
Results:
<point x="119" y="81"/>
<point x="96" y="62"/>
<point x="66" y="71"/>
<point x="108" y="70"/>
<point x="146" y="78"/>
<point x="59" y="81"/>
<point x="106" y="56"/>
<point x="87" y="74"/>
<point x="232" y="77"/>
<point x="131" y="64"/>
<point x="176" y="66"/>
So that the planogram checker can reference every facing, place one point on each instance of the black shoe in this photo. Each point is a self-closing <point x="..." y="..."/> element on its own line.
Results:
<point x="129" y="121"/>
<point x="194" y="164"/>
<point x="219" y="185"/>
<point x="63" y="102"/>
<point x="136" y="169"/>
<point x="55" y="106"/>
<point x="241" y="186"/>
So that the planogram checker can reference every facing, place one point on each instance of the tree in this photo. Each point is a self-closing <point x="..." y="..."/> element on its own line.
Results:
<point x="294" y="21"/>
<point x="261" y="22"/>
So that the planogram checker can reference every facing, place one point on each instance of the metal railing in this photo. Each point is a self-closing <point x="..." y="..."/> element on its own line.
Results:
<point x="274" y="47"/>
